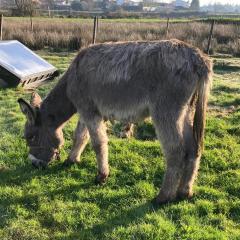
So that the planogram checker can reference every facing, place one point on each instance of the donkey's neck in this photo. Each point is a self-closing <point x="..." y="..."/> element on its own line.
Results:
<point x="57" y="109"/>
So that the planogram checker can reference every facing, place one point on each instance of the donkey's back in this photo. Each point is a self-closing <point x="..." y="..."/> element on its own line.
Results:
<point x="125" y="80"/>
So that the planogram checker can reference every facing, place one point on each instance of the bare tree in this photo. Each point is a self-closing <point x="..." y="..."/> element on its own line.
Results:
<point x="26" y="7"/>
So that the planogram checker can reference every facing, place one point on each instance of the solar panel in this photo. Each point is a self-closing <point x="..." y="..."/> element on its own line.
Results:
<point x="19" y="65"/>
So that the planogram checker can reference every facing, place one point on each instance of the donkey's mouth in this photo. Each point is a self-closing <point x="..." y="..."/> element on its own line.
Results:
<point x="36" y="162"/>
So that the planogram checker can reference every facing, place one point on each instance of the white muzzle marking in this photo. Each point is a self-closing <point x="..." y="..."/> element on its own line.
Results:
<point x="35" y="160"/>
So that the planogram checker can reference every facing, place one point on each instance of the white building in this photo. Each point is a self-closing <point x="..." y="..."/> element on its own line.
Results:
<point x="182" y="4"/>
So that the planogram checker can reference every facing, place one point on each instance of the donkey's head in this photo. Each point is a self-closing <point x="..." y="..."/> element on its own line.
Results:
<point x="43" y="139"/>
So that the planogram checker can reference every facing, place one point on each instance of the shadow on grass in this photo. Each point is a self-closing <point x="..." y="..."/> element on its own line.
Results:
<point x="235" y="102"/>
<point x="22" y="175"/>
<point x="225" y="89"/>
<point x="123" y="219"/>
<point x="225" y="104"/>
<point x="25" y="173"/>
<point x="31" y="201"/>
<point x="219" y="68"/>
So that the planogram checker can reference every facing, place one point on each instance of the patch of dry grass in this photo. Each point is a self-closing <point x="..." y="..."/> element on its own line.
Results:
<point x="63" y="33"/>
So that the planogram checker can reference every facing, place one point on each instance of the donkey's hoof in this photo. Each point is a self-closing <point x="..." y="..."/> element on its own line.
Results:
<point x="101" y="178"/>
<point x="164" y="199"/>
<point x="69" y="162"/>
<point x="184" y="195"/>
<point x="157" y="202"/>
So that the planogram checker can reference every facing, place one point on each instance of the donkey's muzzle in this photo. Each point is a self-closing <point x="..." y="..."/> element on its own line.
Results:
<point x="37" y="163"/>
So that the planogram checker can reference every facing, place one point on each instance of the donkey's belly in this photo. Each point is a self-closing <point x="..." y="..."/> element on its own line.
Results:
<point x="125" y="113"/>
<point x="124" y="101"/>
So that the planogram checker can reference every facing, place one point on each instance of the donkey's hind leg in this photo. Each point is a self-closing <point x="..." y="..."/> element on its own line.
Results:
<point x="191" y="160"/>
<point x="81" y="138"/>
<point x="98" y="134"/>
<point x="168" y="124"/>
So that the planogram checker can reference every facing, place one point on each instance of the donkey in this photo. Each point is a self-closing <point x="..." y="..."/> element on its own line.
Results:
<point x="128" y="81"/>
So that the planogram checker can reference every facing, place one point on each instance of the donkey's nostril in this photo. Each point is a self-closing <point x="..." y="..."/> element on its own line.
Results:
<point x="39" y="164"/>
<point x="34" y="164"/>
<point x="42" y="165"/>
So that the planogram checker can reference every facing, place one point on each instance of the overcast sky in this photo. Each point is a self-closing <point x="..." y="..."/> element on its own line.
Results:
<point x="206" y="2"/>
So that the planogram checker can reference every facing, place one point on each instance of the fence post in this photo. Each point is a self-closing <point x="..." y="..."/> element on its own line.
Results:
<point x="167" y="28"/>
<point x="94" y="30"/>
<point x="97" y="24"/>
<point x="210" y="37"/>
<point x="31" y="22"/>
<point x="49" y="12"/>
<point x="1" y="27"/>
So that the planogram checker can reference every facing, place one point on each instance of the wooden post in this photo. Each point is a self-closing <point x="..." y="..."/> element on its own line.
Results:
<point x="94" y="30"/>
<point x="1" y="27"/>
<point x="49" y="12"/>
<point x="210" y="37"/>
<point x="97" y="24"/>
<point x="31" y="21"/>
<point x="167" y="28"/>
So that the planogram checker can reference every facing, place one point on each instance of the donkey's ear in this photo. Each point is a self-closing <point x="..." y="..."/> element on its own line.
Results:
<point x="36" y="100"/>
<point x="27" y="110"/>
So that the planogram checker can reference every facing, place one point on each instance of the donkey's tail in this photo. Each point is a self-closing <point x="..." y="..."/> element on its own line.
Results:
<point x="201" y="99"/>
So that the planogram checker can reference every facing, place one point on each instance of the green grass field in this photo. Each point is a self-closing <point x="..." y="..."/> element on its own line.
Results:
<point x="64" y="203"/>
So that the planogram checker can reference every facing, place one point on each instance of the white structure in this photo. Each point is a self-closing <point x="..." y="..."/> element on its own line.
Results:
<point x="19" y="65"/>
<point x="182" y="4"/>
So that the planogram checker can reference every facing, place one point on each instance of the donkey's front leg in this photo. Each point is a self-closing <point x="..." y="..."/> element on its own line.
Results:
<point x="168" y="191"/>
<point x="97" y="130"/>
<point x="81" y="138"/>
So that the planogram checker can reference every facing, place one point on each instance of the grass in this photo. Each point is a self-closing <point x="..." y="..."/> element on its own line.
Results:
<point x="64" y="203"/>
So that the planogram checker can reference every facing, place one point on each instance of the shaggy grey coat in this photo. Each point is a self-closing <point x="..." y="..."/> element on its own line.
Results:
<point x="128" y="81"/>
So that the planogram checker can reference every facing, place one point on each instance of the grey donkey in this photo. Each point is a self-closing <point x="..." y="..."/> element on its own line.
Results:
<point x="128" y="81"/>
